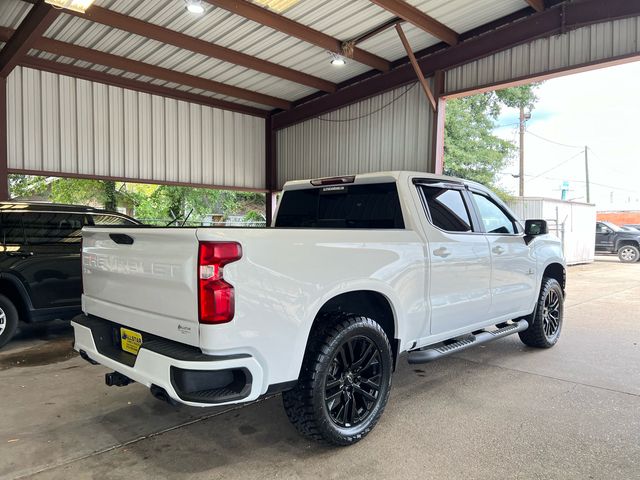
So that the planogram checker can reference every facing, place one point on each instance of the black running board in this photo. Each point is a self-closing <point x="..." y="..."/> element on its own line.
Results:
<point x="430" y="354"/>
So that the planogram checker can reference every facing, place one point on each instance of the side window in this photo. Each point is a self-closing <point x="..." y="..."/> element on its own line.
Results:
<point x="11" y="229"/>
<point x="43" y="228"/>
<point x="601" y="228"/>
<point x="495" y="220"/>
<point x="102" y="219"/>
<point x="447" y="208"/>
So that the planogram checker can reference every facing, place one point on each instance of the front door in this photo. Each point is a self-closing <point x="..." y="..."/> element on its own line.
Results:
<point x="513" y="277"/>
<point x="460" y="261"/>
<point x="604" y="237"/>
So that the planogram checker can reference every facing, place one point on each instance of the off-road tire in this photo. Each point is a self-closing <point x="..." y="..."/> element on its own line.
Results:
<point x="9" y="317"/>
<point x="306" y="404"/>
<point x="629" y="254"/>
<point x="536" y="335"/>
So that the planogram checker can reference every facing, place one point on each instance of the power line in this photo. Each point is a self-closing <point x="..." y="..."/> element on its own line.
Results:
<point x="554" y="142"/>
<point x="558" y="165"/>
<point x="608" y="166"/>
<point x="592" y="183"/>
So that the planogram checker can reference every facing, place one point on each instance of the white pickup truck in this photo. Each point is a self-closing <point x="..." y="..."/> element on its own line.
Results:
<point x="357" y="271"/>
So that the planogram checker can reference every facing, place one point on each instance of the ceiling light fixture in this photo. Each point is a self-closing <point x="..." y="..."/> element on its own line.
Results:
<point x="277" y="6"/>
<point x="337" y="60"/>
<point x="194" y="6"/>
<point x="75" y="5"/>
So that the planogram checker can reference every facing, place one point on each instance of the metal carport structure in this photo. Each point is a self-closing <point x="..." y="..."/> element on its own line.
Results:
<point x="244" y="95"/>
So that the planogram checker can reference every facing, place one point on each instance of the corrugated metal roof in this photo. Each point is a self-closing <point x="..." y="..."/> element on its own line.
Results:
<point x="341" y="19"/>
<point x="585" y="45"/>
<point x="12" y="12"/>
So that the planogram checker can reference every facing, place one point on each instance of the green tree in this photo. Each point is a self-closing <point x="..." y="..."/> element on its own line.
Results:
<point x="471" y="150"/>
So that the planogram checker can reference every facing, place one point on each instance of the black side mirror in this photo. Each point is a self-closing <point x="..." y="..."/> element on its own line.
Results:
<point x="535" y="227"/>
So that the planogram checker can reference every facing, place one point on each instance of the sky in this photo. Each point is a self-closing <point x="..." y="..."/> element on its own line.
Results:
<point x="599" y="109"/>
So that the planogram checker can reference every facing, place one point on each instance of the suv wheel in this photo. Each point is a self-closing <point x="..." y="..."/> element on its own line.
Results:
<point x="546" y="322"/>
<point x="344" y="383"/>
<point x="629" y="254"/>
<point x="8" y="320"/>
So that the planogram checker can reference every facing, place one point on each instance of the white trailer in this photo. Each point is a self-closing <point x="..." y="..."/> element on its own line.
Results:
<point x="573" y="222"/>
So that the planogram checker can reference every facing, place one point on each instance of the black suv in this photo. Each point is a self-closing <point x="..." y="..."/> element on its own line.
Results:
<point x="40" y="266"/>
<point x="610" y="238"/>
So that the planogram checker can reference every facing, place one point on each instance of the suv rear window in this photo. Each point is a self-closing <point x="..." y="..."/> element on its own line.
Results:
<point x="374" y="206"/>
<point x="11" y="229"/>
<point x="48" y="227"/>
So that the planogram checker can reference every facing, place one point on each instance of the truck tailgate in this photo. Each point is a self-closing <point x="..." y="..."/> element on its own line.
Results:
<point x="143" y="278"/>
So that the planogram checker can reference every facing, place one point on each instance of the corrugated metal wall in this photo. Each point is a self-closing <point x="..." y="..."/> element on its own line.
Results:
<point x="59" y="124"/>
<point x="387" y="132"/>
<point x="594" y="43"/>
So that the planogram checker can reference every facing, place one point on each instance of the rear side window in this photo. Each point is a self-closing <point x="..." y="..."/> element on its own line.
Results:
<point x="103" y="219"/>
<point x="374" y="206"/>
<point x="11" y="229"/>
<point x="41" y="228"/>
<point x="447" y="208"/>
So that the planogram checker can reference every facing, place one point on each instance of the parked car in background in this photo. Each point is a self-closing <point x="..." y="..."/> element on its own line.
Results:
<point x="610" y="238"/>
<point x="357" y="270"/>
<point x="40" y="269"/>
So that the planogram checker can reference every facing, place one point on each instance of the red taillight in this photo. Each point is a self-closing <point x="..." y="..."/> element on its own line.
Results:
<point x="216" y="297"/>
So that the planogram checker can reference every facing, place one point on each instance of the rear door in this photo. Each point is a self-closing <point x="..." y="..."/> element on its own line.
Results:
<point x="513" y="278"/>
<point x="460" y="273"/>
<point x="52" y="269"/>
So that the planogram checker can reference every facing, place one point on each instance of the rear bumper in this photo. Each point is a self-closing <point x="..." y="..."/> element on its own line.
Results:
<point x="186" y="374"/>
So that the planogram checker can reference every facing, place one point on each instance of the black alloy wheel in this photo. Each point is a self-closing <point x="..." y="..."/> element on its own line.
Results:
<point x="353" y="382"/>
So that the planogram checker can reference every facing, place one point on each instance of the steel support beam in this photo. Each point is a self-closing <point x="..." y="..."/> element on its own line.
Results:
<point x="551" y="21"/>
<point x="283" y="24"/>
<point x="271" y="170"/>
<point x="537" y="5"/>
<point x="420" y="19"/>
<point x="436" y="162"/>
<point x="416" y="68"/>
<point x="4" y="153"/>
<point x="153" y="71"/>
<point x="122" y="63"/>
<point x="171" y="37"/>
<point x="39" y="18"/>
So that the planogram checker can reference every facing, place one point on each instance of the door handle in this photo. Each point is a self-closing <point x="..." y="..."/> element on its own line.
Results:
<point x="441" y="252"/>
<point x="20" y="254"/>
<point x="498" y="250"/>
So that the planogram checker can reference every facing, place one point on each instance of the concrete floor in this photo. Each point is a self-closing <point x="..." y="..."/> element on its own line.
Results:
<point x="499" y="411"/>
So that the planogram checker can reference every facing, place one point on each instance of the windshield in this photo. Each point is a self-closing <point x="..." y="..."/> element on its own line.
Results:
<point x="613" y="226"/>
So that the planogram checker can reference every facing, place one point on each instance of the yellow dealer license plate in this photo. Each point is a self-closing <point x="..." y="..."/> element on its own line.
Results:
<point x="130" y="340"/>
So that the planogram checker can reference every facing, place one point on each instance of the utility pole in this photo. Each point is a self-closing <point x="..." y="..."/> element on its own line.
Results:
<point x="586" y="171"/>
<point x="521" y="176"/>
